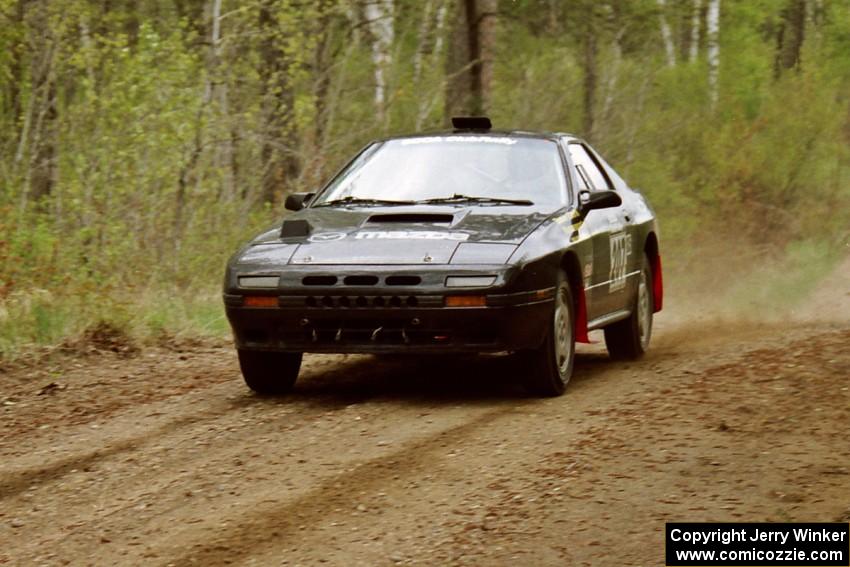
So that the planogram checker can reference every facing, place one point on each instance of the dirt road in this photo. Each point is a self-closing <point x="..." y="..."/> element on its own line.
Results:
<point x="163" y="457"/>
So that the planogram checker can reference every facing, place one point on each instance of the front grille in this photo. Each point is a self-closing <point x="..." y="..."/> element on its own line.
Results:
<point x="354" y="302"/>
<point x="403" y="280"/>
<point x="361" y="280"/>
<point x="319" y="280"/>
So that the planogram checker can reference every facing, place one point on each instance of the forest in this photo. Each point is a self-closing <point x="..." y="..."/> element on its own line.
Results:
<point x="141" y="141"/>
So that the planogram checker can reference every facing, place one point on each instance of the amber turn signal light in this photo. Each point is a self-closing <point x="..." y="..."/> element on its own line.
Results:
<point x="260" y="301"/>
<point x="543" y="294"/>
<point x="466" y="301"/>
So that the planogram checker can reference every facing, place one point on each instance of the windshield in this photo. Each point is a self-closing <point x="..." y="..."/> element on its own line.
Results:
<point x="453" y="168"/>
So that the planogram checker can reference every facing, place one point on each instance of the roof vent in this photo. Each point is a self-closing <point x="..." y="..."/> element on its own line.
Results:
<point x="471" y="123"/>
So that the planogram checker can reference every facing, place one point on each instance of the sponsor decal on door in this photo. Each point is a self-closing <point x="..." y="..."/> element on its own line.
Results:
<point x="621" y="249"/>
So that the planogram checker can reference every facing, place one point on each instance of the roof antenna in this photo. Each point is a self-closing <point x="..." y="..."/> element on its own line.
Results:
<point x="471" y="123"/>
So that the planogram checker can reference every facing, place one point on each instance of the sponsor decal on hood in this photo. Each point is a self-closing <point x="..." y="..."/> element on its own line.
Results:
<point x="391" y="235"/>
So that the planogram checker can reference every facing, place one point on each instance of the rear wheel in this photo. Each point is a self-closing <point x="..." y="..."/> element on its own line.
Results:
<point x="551" y="365"/>
<point x="269" y="372"/>
<point x="629" y="339"/>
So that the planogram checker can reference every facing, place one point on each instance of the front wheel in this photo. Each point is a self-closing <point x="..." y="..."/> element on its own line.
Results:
<point x="551" y="365"/>
<point x="269" y="372"/>
<point x="629" y="339"/>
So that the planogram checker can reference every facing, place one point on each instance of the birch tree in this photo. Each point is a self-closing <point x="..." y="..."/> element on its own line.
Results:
<point x="696" y="22"/>
<point x="13" y="95"/>
<point x="666" y="34"/>
<point x="428" y="52"/>
<point x="713" y="48"/>
<point x="425" y="39"/>
<point x="220" y="95"/>
<point x="457" y="62"/>
<point x="379" y="14"/>
<point x="589" y="72"/>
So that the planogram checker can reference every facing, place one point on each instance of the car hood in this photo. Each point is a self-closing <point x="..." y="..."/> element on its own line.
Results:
<point x="398" y="235"/>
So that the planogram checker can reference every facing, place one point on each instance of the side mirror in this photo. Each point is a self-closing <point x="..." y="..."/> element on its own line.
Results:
<point x="296" y="201"/>
<point x="589" y="201"/>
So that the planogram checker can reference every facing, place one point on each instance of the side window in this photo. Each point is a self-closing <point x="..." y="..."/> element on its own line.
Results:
<point x="588" y="173"/>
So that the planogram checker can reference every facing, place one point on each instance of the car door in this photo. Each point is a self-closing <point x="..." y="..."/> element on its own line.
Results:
<point x="632" y="212"/>
<point x="607" y="292"/>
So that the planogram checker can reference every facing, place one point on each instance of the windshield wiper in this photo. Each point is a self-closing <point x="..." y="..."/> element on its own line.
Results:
<point x="456" y="198"/>
<point x="358" y="201"/>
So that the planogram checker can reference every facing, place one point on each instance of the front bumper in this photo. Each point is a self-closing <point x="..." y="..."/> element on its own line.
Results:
<point x="351" y="323"/>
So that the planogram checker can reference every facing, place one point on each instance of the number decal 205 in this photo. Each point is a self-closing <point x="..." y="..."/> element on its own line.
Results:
<point x="621" y="249"/>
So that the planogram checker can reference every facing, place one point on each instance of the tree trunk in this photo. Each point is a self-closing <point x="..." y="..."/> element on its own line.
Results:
<point x="424" y="48"/>
<point x="43" y="157"/>
<point x="131" y="23"/>
<point x="696" y="23"/>
<point x="217" y="93"/>
<point x="16" y="66"/>
<point x="279" y="160"/>
<point x="323" y="59"/>
<point x="430" y="48"/>
<point x="589" y="62"/>
<point x="713" y="48"/>
<point x="457" y="63"/>
<point x="613" y="72"/>
<point x="469" y="65"/>
<point x="321" y="68"/>
<point x="666" y="34"/>
<point x="379" y="14"/>
<point x="473" y="48"/>
<point x="789" y="39"/>
<point x="183" y="180"/>
<point x="487" y="47"/>
<point x="44" y="166"/>
<point x="439" y="35"/>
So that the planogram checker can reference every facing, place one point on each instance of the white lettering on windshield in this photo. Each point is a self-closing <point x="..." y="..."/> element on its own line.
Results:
<point x="462" y="139"/>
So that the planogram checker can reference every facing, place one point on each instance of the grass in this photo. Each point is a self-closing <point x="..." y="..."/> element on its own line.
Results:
<point x="41" y="318"/>
<point x="195" y="314"/>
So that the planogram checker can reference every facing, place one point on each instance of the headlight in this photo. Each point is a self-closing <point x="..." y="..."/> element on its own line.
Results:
<point x="482" y="253"/>
<point x="470" y="281"/>
<point x="258" y="281"/>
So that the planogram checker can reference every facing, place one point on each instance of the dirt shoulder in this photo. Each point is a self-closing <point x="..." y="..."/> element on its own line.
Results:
<point x="163" y="457"/>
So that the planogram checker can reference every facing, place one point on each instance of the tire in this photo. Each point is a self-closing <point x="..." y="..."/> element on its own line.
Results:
<point x="629" y="339"/>
<point x="269" y="373"/>
<point x="551" y="365"/>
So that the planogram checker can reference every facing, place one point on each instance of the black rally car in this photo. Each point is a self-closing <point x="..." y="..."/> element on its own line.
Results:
<point x="471" y="240"/>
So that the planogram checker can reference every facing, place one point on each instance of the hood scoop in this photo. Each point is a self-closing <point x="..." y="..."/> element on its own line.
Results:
<point x="408" y="218"/>
<point x="295" y="228"/>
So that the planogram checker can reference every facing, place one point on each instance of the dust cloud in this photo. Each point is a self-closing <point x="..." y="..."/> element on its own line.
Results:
<point x="720" y="291"/>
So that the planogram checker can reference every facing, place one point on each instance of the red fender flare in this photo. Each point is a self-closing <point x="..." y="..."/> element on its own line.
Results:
<point x="657" y="284"/>
<point x="581" y="316"/>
